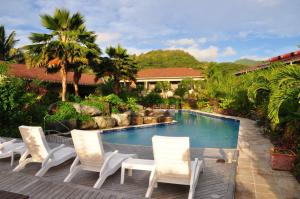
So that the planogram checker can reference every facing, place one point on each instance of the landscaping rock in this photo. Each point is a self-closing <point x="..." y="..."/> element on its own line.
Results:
<point x="165" y="119"/>
<point x="89" y="124"/>
<point x="122" y="119"/>
<point x="149" y="112"/>
<point x="88" y="110"/>
<point x="137" y="120"/>
<point x="150" y="120"/>
<point x="105" y="122"/>
<point x="52" y="108"/>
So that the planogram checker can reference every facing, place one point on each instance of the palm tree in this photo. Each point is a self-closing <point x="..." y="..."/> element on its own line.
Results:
<point x="7" y="44"/>
<point x="68" y="46"/>
<point x="118" y="66"/>
<point x="286" y="91"/>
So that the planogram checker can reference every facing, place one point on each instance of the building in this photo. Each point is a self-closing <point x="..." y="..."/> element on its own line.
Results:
<point x="288" y="58"/>
<point x="150" y="76"/>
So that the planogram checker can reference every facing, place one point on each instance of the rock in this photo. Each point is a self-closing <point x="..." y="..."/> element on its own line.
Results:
<point x="122" y="119"/>
<point x="137" y="120"/>
<point x="167" y="114"/>
<point x="88" y="124"/>
<point x="88" y="110"/>
<point x="150" y="120"/>
<point x="140" y="107"/>
<point x="149" y="112"/>
<point x="165" y="119"/>
<point x="52" y="108"/>
<point x="105" y="122"/>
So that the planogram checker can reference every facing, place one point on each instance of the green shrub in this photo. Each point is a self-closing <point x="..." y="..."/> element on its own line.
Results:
<point x="99" y="104"/>
<point x="66" y="111"/>
<point x="20" y="104"/>
<point x="152" y="99"/>
<point x="226" y="103"/>
<point x="131" y="104"/>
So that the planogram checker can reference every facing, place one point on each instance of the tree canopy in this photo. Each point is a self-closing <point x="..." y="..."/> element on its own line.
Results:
<point x="168" y="59"/>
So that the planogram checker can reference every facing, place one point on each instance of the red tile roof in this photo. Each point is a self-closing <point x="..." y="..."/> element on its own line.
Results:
<point x="168" y="72"/>
<point x="22" y="71"/>
<point x="286" y="58"/>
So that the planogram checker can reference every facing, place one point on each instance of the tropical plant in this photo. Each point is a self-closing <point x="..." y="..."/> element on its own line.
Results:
<point x="7" y="44"/>
<point x="68" y="46"/>
<point x="118" y="65"/>
<point x="286" y="91"/>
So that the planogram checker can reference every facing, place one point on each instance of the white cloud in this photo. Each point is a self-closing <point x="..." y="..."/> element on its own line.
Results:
<point x="136" y="51"/>
<point x="254" y="57"/>
<point x="108" y="37"/>
<point x="202" y="54"/>
<point x="182" y="42"/>
<point x="202" y="40"/>
<point x="229" y="51"/>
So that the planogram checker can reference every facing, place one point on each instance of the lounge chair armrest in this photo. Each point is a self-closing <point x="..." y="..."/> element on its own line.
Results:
<point x="107" y="159"/>
<point x="2" y="145"/>
<point x="51" y="152"/>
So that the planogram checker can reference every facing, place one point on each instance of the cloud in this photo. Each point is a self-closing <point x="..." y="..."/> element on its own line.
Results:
<point x="202" y="40"/>
<point x="202" y="54"/>
<point x="229" y="51"/>
<point x="182" y="42"/>
<point x="108" y="38"/>
<point x="254" y="57"/>
<point x="136" y="51"/>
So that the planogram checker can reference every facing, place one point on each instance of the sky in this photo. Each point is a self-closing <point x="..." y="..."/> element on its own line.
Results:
<point x="210" y="30"/>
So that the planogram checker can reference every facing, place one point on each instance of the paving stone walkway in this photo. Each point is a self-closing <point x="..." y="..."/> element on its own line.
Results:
<point x="255" y="177"/>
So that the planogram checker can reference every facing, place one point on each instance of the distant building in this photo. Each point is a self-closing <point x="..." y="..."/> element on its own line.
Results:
<point x="288" y="58"/>
<point x="150" y="76"/>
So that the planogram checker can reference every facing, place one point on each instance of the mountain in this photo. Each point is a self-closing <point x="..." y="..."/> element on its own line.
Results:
<point x="168" y="59"/>
<point x="247" y="62"/>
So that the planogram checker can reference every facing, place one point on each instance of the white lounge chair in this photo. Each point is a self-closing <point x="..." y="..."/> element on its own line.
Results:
<point x="91" y="156"/>
<point x="9" y="148"/>
<point x="39" y="151"/>
<point x="173" y="163"/>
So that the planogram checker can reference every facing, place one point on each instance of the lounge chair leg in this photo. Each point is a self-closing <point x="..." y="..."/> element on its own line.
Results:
<point x="129" y="172"/>
<point x="42" y="171"/>
<point x="191" y="193"/>
<point x="149" y="191"/>
<point x="12" y="159"/>
<point x="122" y="175"/>
<point x="72" y="173"/>
<point x="22" y="164"/>
<point x="100" y="181"/>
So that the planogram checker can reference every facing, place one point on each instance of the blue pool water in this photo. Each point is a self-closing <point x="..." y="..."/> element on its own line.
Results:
<point x="204" y="132"/>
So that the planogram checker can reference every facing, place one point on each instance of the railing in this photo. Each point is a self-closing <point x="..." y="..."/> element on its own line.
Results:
<point x="52" y="130"/>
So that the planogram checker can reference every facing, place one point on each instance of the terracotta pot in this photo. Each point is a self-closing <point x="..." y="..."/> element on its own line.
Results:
<point x="282" y="161"/>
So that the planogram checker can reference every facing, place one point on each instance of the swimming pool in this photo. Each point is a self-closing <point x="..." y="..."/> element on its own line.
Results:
<point x="204" y="131"/>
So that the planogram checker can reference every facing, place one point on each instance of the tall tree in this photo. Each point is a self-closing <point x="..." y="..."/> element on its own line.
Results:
<point x="119" y="65"/>
<point x="68" y="46"/>
<point x="7" y="44"/>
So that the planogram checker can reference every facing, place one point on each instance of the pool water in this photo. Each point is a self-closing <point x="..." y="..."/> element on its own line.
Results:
<point x="204" y="132"/>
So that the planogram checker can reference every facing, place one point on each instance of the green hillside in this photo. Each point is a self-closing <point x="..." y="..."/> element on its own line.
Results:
<point x="247" y="62"/>
<point x="168" y="59"/>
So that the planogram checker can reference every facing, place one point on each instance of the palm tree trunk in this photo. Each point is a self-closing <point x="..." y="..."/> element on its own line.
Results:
<point x="76" y="78"/>
<point x="63" y="83"/>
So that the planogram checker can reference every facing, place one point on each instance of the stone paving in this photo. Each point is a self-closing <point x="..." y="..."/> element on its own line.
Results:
<point x="255" y="177"/>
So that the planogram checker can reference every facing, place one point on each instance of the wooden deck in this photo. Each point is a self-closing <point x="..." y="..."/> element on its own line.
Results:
<point x="218" y="178"/>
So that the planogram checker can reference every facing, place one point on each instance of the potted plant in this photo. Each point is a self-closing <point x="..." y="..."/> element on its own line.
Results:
<point x="282" y="159"/>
